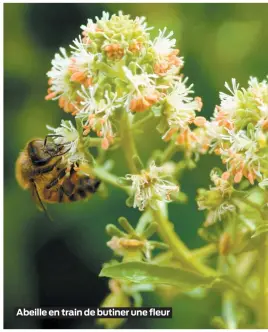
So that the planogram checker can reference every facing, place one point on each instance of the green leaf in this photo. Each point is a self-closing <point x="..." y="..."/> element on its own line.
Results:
<point x="263" y="228"/>
<point x="141" y="272"/>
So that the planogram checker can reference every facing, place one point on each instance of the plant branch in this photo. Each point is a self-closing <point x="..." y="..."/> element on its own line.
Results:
<point x="96" y="141"/>
<point x="166" y="229"/>
<point x="137" y="124"/>
<point x="169" y="152"/>
<point x="127" y="142"/>
<point x="107" y="177"/>
<point x="205" y="251"/>
<point x="263" y="272"/>
<point x="180" y="251"/>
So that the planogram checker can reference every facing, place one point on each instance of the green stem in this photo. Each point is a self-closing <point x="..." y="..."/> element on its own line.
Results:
<point x="139" y="123"/>
<point x="228" y="296"/>
<point x="169" y="152"/>
<point x="228" y="284"/>
<point x="166" y="229"/>
<point x="107" y="177"/>
<point x="229" y="309"/>
<point x="205" y="251"/>
<point x="96" y="141"/>
<point x="263" y="271"/>
<point x="127" y="142"/>
<point x="180" y="251"/>
<point x="144" y="220"/>
<point x="247" y="201"/>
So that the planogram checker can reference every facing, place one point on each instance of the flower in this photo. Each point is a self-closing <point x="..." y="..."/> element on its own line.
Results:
<point x="168" y="63"/>
<point x="162" y="44"/>
<point x="59" y="76"/>
<point x="68" y="135"/>
<point x="95" y="114"/>
<point x="81" y="63"/>
<point x="114" y="67"/>
<point x="143" y="91"/>
<point x="238" y="133"/>
<point x="122" y="245"/>
<point x="217" y="199"/>
<point x="150" y="186"/>
<point x="181" y="107"/>
<point x="180" y="112"/>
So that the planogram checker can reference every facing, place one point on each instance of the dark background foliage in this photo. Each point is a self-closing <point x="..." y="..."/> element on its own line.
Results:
<point x="57" y="263"/>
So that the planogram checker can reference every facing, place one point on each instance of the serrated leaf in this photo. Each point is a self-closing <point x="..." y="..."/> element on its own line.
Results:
<point x="141" y="272"/>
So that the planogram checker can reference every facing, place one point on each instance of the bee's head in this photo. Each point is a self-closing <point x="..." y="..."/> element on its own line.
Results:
<point x="41" y="151"/>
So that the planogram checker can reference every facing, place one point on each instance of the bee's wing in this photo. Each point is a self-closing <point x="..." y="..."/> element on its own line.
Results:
<point x="36" y="197"/>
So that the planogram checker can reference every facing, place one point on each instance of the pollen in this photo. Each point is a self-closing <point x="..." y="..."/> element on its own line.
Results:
<point x="78" y="77"/>
<point x="238" y="177"/>
<point x="265" y="125"/>
<point x="199" y="102"/>
<point x="166" y="63"/>
<point x="225" y="175"/>
<point x="114" y="51"/>
<point x="50" y="96"/>
<point x="200" y="121"/>
<point x="135" y="47"/>
<point x="143" y="103"/>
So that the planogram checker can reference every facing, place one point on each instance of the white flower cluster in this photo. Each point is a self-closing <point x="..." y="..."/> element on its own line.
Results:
<point x="114" y="67"/>
<point x="239" y="131"/>
<point x="217" y="199"/>
<point x="151" y="185"/>
<point x="68" y="136"/>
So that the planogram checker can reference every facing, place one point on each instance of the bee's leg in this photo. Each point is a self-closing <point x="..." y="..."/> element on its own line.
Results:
<point x="93" y="185"/>
<point x="52" y="183"/>
<point x="55" y="181"/>
<point x="43" y="170"/>
<point x="61" y="194"/>
<point x="68" y="185"/>
<point x="38" y="200"/>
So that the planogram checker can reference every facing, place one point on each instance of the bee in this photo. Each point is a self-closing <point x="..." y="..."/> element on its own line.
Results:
<point x="42" y="169"/>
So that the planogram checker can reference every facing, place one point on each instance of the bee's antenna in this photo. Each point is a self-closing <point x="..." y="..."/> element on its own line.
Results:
<point x="62" y="153"/>
<point x="61" y="145"/>
<point x="41" y="203"/>
<point x="50" y="135"/>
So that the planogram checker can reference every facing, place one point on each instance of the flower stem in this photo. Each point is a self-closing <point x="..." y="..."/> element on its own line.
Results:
<point x="169" y="152"/>
<point x="105" y="176"/>
<point x="127" y="142"/>
<point x="166" y="229"/>
<point x="263" y="271"/>
<point x="96" y="141"/>
<point x="205" y="251"/>
<point x="137" y="124"/>
<point x="229" y="309"/>
<point x="180" y="251"/>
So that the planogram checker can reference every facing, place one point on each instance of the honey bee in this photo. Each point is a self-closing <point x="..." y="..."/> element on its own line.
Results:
<point x="42" y="169"/>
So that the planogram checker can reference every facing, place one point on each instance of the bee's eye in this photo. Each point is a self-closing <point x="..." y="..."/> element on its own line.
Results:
<point x="37" y="154"/>
<point x="51" y="148"/>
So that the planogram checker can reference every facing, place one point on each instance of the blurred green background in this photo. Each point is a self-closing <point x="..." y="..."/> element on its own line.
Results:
<point x="57" y="263"/>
